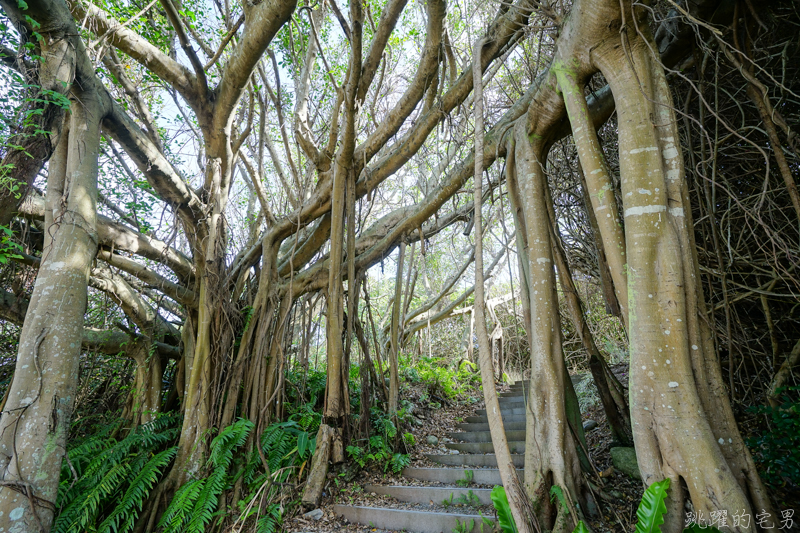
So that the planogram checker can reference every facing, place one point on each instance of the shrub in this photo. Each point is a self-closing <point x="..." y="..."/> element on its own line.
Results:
<point x="778" y="450"/>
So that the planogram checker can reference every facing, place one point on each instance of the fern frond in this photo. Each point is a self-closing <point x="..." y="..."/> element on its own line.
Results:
<point x="181" y="506"/>
<point x="137" y="492"/>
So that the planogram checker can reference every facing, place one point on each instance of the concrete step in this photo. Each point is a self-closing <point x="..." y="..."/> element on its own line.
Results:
<point x="506" y="411"/>
<point x="484" y="420"/>
<point x="458" y="459"/>
<point x="576" y="378"/>
<point x="512" y="394"/>
<point x="486" y="436"/>
<point x="484" y="447"/>
<point x="437" y="495"/>
<point x="418" y="521"/>
<point x="512" y="402"/>
<point x="481" y="476"/>
<point x="484" y="426"/>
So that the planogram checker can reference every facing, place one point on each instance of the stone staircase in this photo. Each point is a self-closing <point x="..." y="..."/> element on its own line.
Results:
<point x="475" y="453"/>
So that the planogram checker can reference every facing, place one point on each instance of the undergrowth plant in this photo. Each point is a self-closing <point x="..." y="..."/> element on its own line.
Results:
<point x="440" y="376"/>
<point x="378" y="450"/>
<point x="778" y="450"/>
<point x="195" y="503"/>
<point x="104" y="482"/>
<point x="286" y="448"/>
<point x="468" y="479"/>
<point x="649" y="515"/>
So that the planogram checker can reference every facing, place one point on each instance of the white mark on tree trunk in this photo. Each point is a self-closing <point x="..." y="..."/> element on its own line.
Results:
<point x="644" y="210"/>
<point x="670" y="153"/>
<point x="647" y="149"/>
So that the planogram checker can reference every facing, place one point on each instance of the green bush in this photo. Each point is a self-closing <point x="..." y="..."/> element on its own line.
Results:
<point x="441" y="377"/>
<point x="778" y="450"/>
<point x="377" y="450"/>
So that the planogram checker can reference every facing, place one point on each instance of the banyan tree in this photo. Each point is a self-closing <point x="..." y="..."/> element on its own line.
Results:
<point x="223" y="174"/>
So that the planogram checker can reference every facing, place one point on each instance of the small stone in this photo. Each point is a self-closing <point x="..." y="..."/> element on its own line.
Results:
<point x="432" y="440"/>
<point x="316" y="514"/>
<point x="624" y="460"/>
<point x="418" y="422"/>
<point x="589" y="425"/>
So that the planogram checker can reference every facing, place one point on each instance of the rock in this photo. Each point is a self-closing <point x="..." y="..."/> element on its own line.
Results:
<point x="589" y="425"/>
<point x="417" y="421"/>
<point x="432" y="440"/>
<point x="624" y="460"/>
<point x="316" y="514"/>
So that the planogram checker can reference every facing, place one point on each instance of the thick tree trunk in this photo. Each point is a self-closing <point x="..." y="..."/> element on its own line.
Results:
<point x="551" y="456"/>
<point x="611" y="395"/>
<point x="682" y="421"/>
<point x="37" y="414"/>
<point x="144" y="400"/>
<point x="598" y="180"/>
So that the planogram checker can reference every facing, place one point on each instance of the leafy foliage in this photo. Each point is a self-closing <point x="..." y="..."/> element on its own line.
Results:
<point x="194" y="504"/>
<point x="377" y="450"/>
<point x="8" y="248"/>
<point x="113" y="478"/>
<point x="440" y="378"/>
<point x="778" y="451"/>
<point x="556" y="493"/>
<point x="464" y="527"/>
<point x="469" y="476"/>
<point x="651" y="511"/>
<point x="581" y="528"/>
<point x="504" y="517"/>
<point x="283" y="444"/>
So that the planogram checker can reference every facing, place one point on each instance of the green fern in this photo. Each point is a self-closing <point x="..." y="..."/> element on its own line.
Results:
<point x="124" y="515"/>
<point x="194" y="504"/>
<point x="111" y="478"/>
<point x="269" y="522"/>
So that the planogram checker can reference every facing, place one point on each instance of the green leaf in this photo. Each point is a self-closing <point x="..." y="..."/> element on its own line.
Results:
<point x="581" y="528"/>
<point x="302" y="444"/>
<point x="557" y="493"/>
<point x="652" y="508"/>
<point x="504" y="516"/>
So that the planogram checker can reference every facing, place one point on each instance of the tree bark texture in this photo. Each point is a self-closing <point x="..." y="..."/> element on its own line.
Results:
<point x="37" y="414"/>
<point x="517" y="499"/>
